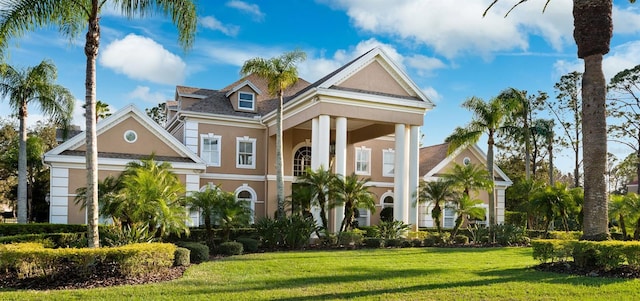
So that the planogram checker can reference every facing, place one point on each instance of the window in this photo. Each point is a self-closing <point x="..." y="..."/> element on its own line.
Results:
<point x="301" y="161"/>
<point x="245" y="101"/>
<point x="246" y="152"/>
<point x="363" y="159"/>
<point x="466" y="161"/>
<point x="130" y="136"/>
<point x="210" y="149"/>
<point x="247" y="195"/>
<point x="388" y="162"/>
<point x="449" y="216"/>
<point x="362" y="217"/>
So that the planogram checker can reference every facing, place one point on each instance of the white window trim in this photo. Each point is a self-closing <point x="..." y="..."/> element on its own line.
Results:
<point x="253" y="152"/>
<point x="384" y="152"/>
<point x="368" y="217"/>
<point x="253" y="101"/>
<point x="252" y="201"/>
<point x="211" y="136"/>
<point x="368" y="171"/>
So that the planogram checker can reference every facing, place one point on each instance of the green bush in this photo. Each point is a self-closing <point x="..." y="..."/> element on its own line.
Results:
<point x="406" y="243"/>
<point x="249" y="245"/>
<point x="292" y="232"/>
<point x="461" y="239"/>
<point x="570" y="235"/>
<point x="230" y="248"/>
<point x="373" y="242"/>
<point x="350" y="238"/>
<point x="199" y="252"/>
<point x="392" y="229"/>
<point x="393" y="242"/>
<point x="181" y="257"/>
<point x="515" y="218"/>
<point x="437" y="239"/>
<point x="370" y="231"/>
<point x="420" y="235"/>
<point x="508" y="235"/>
<point x="416" y="243"/>
<point x="114" y="236"/>
<point x="29" y="260"/>
<point x="552" y="250"/>
<point x="588" y="255"/>
<point x="386" y="214"/>
<point x="39" y="228"/>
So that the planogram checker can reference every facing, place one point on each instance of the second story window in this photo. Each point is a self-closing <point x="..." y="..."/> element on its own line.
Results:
<point x="246" y="152"/>
<point x="388" y="162"/>
<point x="363" y="161"/>
<point x="246" y="101"/>
<point x="210" y="149"/>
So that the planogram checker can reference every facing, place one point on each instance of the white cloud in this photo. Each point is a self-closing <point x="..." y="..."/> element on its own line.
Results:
<point x="142" y="58"/>
<point x="212" y="23"/>
<point x="621" y="57"/>
<point x="626" y="21"/>
<point x="424" y="65"/>
<point x="252" y="9"/>
<point x="432" y="94"/>
<point x="452" y="29"/>
<point x="144" y="93"/>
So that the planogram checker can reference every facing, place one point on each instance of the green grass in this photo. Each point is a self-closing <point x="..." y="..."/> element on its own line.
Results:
<point x="384" y="274"/>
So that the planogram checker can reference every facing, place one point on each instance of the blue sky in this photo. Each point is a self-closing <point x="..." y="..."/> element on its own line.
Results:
<point x="447" y="48"/>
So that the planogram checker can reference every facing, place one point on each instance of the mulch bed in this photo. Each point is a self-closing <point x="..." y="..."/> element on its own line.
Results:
<point x="104" y="276"/>
<point x="569" y="267"/>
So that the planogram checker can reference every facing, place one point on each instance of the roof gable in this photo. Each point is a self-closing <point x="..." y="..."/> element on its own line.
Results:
<point x="130" y="116"/>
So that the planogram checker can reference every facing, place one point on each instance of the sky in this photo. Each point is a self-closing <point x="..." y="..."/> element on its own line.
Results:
<point x="448" y="49"/>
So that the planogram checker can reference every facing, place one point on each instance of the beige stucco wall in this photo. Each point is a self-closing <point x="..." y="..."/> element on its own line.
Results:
<point x="233" y="97"/>
<point x="374" y="77"/>
<point x="146" y="143"/>
<point x="229" y="148"/>
<point x="482" y="195"/>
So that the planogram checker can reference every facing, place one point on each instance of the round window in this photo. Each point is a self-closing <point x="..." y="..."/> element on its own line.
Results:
<point x="130" y="136"/>
<point x="466" y="161"/>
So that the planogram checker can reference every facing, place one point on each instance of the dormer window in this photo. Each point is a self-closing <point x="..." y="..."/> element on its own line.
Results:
<point x="246" y="101"/>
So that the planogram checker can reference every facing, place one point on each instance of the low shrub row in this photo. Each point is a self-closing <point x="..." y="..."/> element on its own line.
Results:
<point x="39" y="228"/>
<point x="27" y="260"/>
<point x="588" y="254"/>
<point x="50" y="240"/>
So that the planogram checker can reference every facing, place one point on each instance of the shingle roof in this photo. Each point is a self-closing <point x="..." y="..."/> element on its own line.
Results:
<point x="128" y="156"/>
<point x="430" y="156"/>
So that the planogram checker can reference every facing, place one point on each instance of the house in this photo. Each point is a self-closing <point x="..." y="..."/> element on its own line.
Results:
<point x="362" y="118"/>
<point x="436" y="161"/>
<point x="633" y="186"/>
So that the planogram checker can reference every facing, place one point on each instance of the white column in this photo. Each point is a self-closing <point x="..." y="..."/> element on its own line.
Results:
<point x="314" y="144"/>
<point x="192" y="184"/>
<point x="500" y="194"/>
<point x="324" y="134"/>
<point x="341" y="162"/>
<point x="414" y="159"/>
<point x="400" y="199"/>
<point x="59" y="195"/>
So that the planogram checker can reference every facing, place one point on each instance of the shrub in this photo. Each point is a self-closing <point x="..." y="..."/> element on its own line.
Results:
<point x="249" y="245"/>
<point x="39" y="228"/>
<point x="370" y="231"/>
<point x="351" y="238"/>
<point x="291" y="232"/>
<point x="552" y="249"/>
<point x="230" y="248"/>
<point x="199" y="252"/>
<point x="507" y="235"/>
<point x="392" y="230"/>
<point x="437" y="239"/>
<point x="373" y="242"/>
<point x="461" y="239"/>
<point x="269" y="232"/>
<point x="393" y="242"/>
<point x="515" y="218"/>
<point x="416" y="243"/>
<point x="477" y="234"/>
<point x="181" y="257"/>
<point x="115" y="236"/>
<point x="328" y="239"/>
<point x="406" y="243"/>
<point x="570" y="235"/>
<point x="420" y="235"/>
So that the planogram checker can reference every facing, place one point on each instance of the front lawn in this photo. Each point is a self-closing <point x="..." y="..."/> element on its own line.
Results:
<point x="376" y="274"/>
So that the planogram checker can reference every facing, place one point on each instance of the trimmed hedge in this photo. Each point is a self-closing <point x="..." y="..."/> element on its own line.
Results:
<point x="199" y="252"/>
<point x="39" y="228"/>
<point x="29" y="260"/>
<point x="249" y="245"/>
<point x="373" y="242"/>
<point x="588" y="254"/>
<point x="181" y="257"/>
<point x="52" y="240"/>
<point x="570" y="235"/>
<point x="230" y="248"/>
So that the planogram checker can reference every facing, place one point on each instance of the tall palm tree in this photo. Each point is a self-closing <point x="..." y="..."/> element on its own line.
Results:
<point x="17" y="17"/>
<point x="318" y="183"/>
<point x="33" y="86"/>
<point x="469" y="177"/>
<point x="352" y="192"/>
<point x="102" y="110"/>
<point x="522" y="109"/>
<point x="488" y="117"/>
<point x="280" y="74"/>
<point x="436" y="193"/>
<point x="593" y="29"/>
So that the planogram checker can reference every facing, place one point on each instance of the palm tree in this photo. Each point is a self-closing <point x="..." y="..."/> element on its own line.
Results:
<point x="617" y="211"/>
<point x="521" y="112"/>
<point x="18" y="17"/>
<point x="102" y="110"/>
<point x="593" y="29"/>
<point x="35" y="86"/>
<point x="205" y="203"/>
<point x="230" y="212"/>
<point x="352" y="192"/>
<point x="554" y="201"/>
<point x="318" y="183"/>
<point x="436" y="193"/>
<point x="488" y="118"/>
<point x="151" y="194"/>
<point x="469" y="177"/>
<point x="280" y="74"/>
<point x="466" y="208"/>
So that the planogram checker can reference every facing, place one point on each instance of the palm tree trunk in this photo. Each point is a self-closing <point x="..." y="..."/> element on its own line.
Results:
<point x="91" y="51"/>
<point x="527" y="141"/>
<point x="593" y="31"/>
<point x="550" y="150"/>
<point x="623" y="227"/>
<point x="492" y="199"/>
<point x="279" y="159"/>
<point x="22" y="165"/>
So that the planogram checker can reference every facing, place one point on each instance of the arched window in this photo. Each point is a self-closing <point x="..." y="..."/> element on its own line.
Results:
<point x="387" y="201"/>
<point x="301" y="160"/>
<point x="246" y="193"/>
